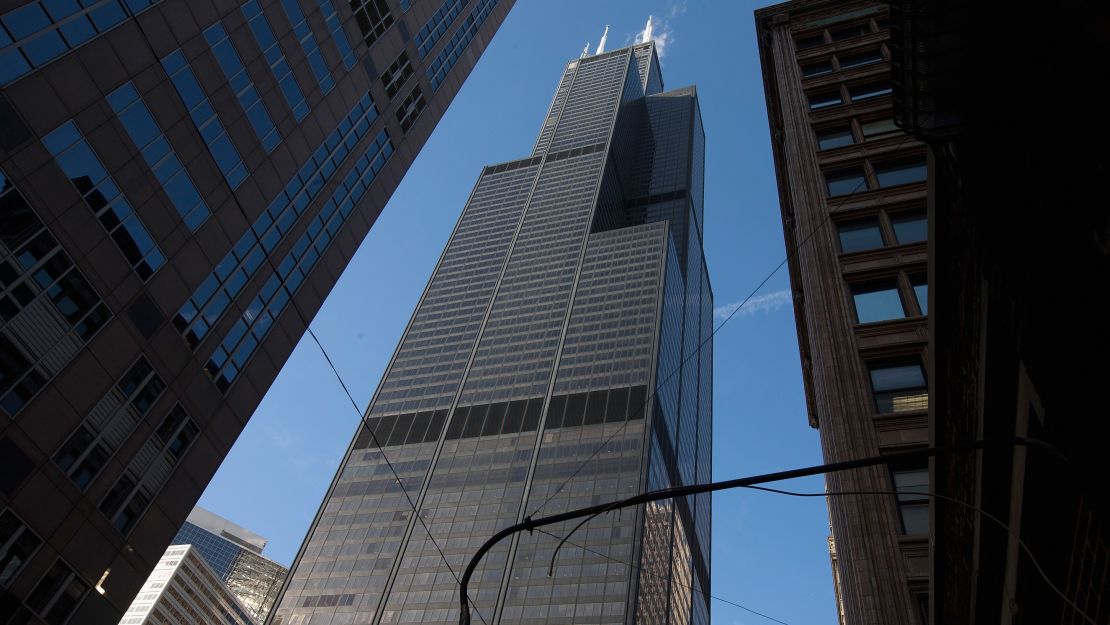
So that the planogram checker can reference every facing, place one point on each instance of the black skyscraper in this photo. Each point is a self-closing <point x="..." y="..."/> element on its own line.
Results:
<point x="544" y="369"/>
<point x="181" y="184"/>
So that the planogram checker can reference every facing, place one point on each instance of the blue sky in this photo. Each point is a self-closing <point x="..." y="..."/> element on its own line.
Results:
<point x="769" y="551"/>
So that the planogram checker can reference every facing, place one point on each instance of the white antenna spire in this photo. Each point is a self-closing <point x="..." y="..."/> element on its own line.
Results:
<point x="586" y="50"/>
<point x="647" y="31"/>
<point x="604" y="38"/>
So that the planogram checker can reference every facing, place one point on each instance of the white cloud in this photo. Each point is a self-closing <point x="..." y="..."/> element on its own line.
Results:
<point x="678" y="8"/>
<point x="760" y="303"/>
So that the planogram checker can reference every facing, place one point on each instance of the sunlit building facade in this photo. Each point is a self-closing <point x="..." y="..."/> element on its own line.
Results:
<point x="183" y="590"/>
<point x="235" y="556"/>
<point x="559" y="357"/>
<point x="181" y="184"/>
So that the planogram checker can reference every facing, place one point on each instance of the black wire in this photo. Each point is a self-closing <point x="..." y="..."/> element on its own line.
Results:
<point x="673" y="581"/>
<point x="996" y="520"/>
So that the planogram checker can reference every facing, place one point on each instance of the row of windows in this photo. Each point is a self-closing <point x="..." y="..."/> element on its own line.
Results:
<point x="445" y="60"/>
<point x="232" y="67"/>
<point x="264" y="309"/>
<point x="111" y="420"/>
<point x="373" y="18"/>
<point x="205" y="118"/>
<point x="410" y="108"/>
<point x="331" y="18"/>
<point x="308" y="44"/>
<point x="837" y="33"/>
<point x="849" y="93"/>
<point x="881" y="175"/>
<point x="37" y="33"/>
<point x="38" y="279"/>
<point x="208" y="303"/>
<point x="881" y="300"/>
<point x="873" y="232"/>
<point x="854" y="131"/>
<point x="396" y="74"/>
<point x="437" y="24"/>
<point x="103" y="196"/>
<point x="275" y="58"/>
<point x="141" y="480"/>
<point x="155" y="148"/>
<point x="17" y="544"/>
<point x="841" y="62"/>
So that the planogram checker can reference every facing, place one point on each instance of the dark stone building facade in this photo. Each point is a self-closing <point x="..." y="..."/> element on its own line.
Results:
<point x="852" y="188"/>
<point x="181" y="184"/>
<point x="559" y="357"/>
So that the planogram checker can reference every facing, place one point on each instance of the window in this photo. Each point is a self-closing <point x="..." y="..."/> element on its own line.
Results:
<point x="80" y="164"/>
<point x="921" y="293"/>
<point x="910" y="228"/>
<point x="204" y="118"/>
<point x="899" y="387"/>
<point x="846" y="182"/>
<point x="861" y="235"/>
<point x="373" y="18"/>
<point x="819" y="101"/>
<point x="817" y="68"/>
<point x="870" y="90"/>
<point x="339" y="36"/>
<point x="396" y="75"/>
<point x="275" y="58"/>
<point x="436" y="25"/>
<point x="878" y="128"/>
<point x="445" y="60"/>
<point x="809" y="41"/>
<point x="847" y="32"/>
<point x="849" y="61"/>
<point x="232" y="67"/>
<point x="904" y="172"/>
<point x="877" y="301"/>
<point x="308" y="44"/>
<point x="57" y="594"/>
<point x="17" y="544"/>
<point x="141" y="127"/>
<point x="410" y="108"/>
<point x="912" y="486"/>
<point x="829" y="138"/>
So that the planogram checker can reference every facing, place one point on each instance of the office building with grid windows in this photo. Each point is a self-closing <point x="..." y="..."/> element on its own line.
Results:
<point x="852" y="188"/>
<point x="181" y="184"/>
<point x="235" y="556"/>
<point x="559" y="357"/>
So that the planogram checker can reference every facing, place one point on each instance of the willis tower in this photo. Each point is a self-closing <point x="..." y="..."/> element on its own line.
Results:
<point x="552" y="363"/>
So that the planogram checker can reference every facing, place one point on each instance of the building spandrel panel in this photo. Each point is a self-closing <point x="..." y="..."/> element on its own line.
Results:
<point x="541" y="372"/>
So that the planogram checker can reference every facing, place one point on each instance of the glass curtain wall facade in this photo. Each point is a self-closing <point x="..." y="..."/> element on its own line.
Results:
<point x="181" y="185"/>
<point x="559" y="357"/>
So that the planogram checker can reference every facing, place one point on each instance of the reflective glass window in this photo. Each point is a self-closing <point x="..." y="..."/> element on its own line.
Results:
<point x="845" y="182"/>
<point x="921" y="293"/>
<point x="877" y="301"/>
<point x="826" y="99"/>
<point x="869" y="90"/>
<point x="878" y="127"/>
<point x="899" y="387"/>
<point x="905" y="172"/>
<point x="849" y="61"/>
<point x="912" y="486"/>
<point x="857" y="236"/>
<point x="910" y="228"/>
<point x="817" y="68"/>
<point x="839" y="136"/>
